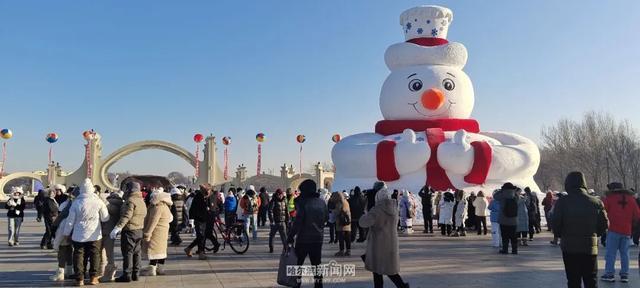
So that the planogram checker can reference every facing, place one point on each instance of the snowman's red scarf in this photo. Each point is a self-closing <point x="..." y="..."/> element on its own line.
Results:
<point x="434" y="129"/>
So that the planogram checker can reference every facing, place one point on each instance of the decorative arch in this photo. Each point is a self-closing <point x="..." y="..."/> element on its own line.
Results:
<point x="18" y="175"/>
<point x="139" y="146"/>
<point x="295" y="181"/>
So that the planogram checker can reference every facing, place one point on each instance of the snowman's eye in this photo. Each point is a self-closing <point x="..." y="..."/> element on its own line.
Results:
<point x="415" y="85"/>
<point x="448" y="84"/>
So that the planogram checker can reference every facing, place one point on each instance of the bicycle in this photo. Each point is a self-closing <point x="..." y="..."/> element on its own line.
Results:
<point x="234" y="235"/>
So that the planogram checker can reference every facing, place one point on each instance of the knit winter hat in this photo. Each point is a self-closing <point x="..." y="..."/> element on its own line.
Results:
<point x="251" y="187"/>
<point x="379" y="185"/>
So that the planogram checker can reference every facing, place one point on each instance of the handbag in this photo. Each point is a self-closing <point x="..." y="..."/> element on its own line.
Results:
<point x="288" y="261"/>
<point x="345" y="219"/>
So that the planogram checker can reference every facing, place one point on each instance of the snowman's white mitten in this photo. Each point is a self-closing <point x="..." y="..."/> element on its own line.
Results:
<point x="411" y="155"/>
<point x="456" y="156"/>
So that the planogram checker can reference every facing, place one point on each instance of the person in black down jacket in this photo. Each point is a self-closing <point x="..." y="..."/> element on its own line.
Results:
<point x="49" y="213"/>
<point x="426" y="194"/>
<point x="579" y="219"/>
<point x="278" y="218"/>
<point x="264" y="205"/>
<point x="176" y="211"/>
<point x="200" y="214"/>
<point x="38" y="203"/>
<point x="357" y="203"/>
<point x="308" y="227"/>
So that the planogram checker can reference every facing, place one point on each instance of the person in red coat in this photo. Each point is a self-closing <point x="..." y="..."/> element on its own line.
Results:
<point x="622" y="211"/>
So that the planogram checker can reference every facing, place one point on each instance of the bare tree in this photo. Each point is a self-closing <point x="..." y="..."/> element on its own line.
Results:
<point x="604" y="150"/>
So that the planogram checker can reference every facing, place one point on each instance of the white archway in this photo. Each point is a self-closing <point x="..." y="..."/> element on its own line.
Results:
<point x="139" y="146"/>
<point x="32" y="175"/>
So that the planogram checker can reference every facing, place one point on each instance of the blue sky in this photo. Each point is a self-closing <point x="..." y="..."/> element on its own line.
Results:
<point x="137" y="70"/>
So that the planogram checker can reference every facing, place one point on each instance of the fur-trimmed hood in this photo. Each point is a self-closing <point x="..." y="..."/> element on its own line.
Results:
<point x="161" y="197"/>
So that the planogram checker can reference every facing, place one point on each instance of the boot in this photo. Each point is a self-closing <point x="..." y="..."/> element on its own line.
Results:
<point x="463" y="233"/>
<point x="109" y="273"/>
<point x="347" y="253"/>
<point x="79" y="282"/>
<point x="150" y="270"/>
<point x="339" y="254"/>
<point x="59" y="276"/>
<point x="68" y="271"/>
<point x="455" y="234"/>
<point x="94" y="280"/>
<point x="160" y="270"/>
<point x="188" y="252"/>
<point x="270" y="249"/>
<point x="202" y="256"/>
<point x="124" y="278"/>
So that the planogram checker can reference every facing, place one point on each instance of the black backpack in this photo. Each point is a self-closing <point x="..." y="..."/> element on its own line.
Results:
<point x="510" y="207"/>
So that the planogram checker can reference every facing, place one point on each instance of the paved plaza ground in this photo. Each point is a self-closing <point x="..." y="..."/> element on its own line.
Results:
<point x="427" y="261"/>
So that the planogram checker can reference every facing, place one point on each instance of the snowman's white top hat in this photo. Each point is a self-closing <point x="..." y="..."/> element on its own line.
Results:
<point x="425" y="29"/>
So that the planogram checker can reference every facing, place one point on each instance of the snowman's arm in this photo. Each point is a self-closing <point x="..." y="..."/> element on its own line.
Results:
<point x="514" y="157"/>
<point x="355" y="155"/>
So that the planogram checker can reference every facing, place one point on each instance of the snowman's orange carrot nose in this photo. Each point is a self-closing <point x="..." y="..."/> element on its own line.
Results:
<point x="432" y="99"/>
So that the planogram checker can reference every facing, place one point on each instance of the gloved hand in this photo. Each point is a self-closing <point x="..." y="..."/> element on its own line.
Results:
<point x="115" y="232"/>
<point x="38" y="219"/>
<point x="17" y="212"/>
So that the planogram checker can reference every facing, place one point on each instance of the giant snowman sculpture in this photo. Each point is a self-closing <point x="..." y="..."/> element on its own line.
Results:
<point x="426" y="135"/>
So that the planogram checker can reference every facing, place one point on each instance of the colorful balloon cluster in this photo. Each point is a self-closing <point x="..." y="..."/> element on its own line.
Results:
<point x="260" y="137"/>
<point x="301" y="138"/>
<point x="226" y="140"/>
<point x="336" y="138"/>
<point x="6" y="133"/>
<point x="198" y="138"/>
<point x="52" y="138"/>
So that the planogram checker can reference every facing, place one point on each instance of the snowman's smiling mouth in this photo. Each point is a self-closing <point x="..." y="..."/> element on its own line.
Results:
<point x="450" y="103"/>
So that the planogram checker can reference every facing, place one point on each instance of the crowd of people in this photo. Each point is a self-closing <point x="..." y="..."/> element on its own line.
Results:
<point x="82" y="224"/>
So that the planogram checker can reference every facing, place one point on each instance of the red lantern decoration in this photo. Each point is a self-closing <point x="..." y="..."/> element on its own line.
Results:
<point x="226" y="141"/>
<point x="88" y="135"/>
<point x="197" y="138"/>
<point x="336" y="138"/>
<point x="260" y="137"/>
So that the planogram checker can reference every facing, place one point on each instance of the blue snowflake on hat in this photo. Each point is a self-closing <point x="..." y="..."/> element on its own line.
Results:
<point x="434" y="32"/>
<point x="407" y="27"/>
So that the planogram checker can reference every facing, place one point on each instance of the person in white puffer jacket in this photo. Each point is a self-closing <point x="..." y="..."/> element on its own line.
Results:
<point x="460" y="213"/>
<point x="84" y="226"/>
<point x="447" y="201"/>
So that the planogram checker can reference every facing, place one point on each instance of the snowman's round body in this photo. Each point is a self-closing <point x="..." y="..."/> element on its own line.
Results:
<point x="426" y="136"/>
